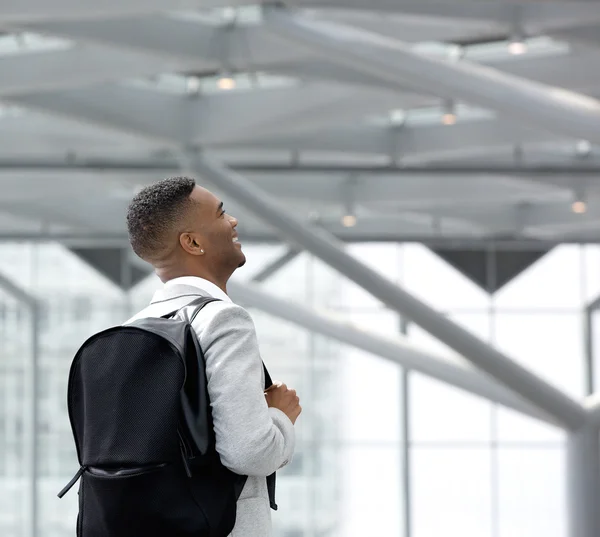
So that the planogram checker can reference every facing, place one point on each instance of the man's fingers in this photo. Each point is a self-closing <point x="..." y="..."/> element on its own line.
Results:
<point x="274" y="386"/>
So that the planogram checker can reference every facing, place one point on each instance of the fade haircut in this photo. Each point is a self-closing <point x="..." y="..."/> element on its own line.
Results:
<point x="155" y="212"/>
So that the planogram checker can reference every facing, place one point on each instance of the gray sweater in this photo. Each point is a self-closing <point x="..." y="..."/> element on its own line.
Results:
<point x="251" y="438"/>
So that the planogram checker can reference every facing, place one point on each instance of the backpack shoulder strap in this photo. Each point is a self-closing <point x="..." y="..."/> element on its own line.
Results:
<point x="198" y="304"/>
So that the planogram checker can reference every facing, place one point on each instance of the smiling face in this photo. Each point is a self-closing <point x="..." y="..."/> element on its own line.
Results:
<point x="211" y="236"/>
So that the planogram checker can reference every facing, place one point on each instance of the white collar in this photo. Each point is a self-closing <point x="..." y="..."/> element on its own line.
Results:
<point x="208" y="287"/>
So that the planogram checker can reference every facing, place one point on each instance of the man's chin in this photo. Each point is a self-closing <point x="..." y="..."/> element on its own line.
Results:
<point x="242" y="262"/>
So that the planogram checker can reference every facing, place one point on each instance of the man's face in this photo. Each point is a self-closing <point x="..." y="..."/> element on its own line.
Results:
<point x="216" y="232"/>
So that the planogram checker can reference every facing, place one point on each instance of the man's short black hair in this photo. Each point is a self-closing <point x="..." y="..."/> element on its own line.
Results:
<point x="155" y="212"/>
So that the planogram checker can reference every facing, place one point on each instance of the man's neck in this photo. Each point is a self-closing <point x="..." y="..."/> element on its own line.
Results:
<point x="166" y="276"/>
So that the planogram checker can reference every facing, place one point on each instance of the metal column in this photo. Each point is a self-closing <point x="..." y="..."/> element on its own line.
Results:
<point x="588" y="329"/>
<point x="583" y="482"/>
<point x="406" y="441"/>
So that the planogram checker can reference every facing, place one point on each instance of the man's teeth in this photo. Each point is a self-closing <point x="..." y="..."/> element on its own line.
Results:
<point x="236" y="240"/>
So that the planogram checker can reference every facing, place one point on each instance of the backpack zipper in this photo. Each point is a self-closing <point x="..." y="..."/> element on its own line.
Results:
<point x="72" y="482"/>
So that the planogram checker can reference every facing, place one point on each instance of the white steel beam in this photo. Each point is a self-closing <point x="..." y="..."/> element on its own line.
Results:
<point x="154" y="116"/>
<point x="395" y="349"/>
<point x="423" y="140"/>
<point x="550" y="108"/>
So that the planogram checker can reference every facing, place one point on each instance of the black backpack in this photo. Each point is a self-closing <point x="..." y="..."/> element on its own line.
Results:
<point x="140" y="414"/>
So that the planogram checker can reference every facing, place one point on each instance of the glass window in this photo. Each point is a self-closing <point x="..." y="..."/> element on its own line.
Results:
<point x="451" y="492"/>
<point x="325" y="285"/>
<point x="554" y="281"/>
<point x="595" y="342"/>
<point x="290" y="282"/>
<point x="443" y="413"/>
<point x="531" y="492"/>
<point x="384" y="258"/>
<point x="438" y="284"/>
<point x="258" y="256"/>
<point x="511" y="426"/>
<point x="591" y="272"/>
<point x="15" y="263"/>
<point x="371" y="498"/>
<point x="551" y="345"/>
<point x="371" y="386"/>
<point x="478" y="323"/>
<point x="370" y="405"/>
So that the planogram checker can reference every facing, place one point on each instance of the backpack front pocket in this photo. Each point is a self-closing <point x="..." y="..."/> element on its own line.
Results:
<point x="147" y="501"/>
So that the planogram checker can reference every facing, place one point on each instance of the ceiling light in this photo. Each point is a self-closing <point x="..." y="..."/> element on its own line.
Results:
<point x="449" y="118"/>
<point x="583" y="148"/>
<point x="397" y="117"/>
<point x="517" y="47"/>
<point x="349" y="220"/>
<point x="226" y="83"/>
<point x="579" y="207"/>
<point x="448" y="112"/>
<point x="193" y="84"/>
<point x="456" y="53"/>
<point x="229" y="14"/>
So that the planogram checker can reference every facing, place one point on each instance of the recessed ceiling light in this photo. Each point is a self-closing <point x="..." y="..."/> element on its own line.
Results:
<point x="517" y="47"/>
<point x="349" y="220"/>
<point x="226" y="83"/>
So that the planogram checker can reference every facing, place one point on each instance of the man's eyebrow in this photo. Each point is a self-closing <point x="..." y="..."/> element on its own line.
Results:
<point x="219" y="207"/>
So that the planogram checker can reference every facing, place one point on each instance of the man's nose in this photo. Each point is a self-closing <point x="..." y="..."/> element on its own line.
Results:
<point x="234" y="221"/>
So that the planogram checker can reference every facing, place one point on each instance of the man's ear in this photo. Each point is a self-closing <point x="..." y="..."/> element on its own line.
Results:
<point x="191" y="243"/>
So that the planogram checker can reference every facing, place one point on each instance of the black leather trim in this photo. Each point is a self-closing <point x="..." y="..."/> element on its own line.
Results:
<point x="121" y="472"/>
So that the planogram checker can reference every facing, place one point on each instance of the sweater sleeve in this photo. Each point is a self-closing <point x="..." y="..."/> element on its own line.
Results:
<point x="251" y="438"/>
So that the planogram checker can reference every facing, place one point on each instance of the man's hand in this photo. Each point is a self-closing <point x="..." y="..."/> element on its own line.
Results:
<point x="280" y="397"/>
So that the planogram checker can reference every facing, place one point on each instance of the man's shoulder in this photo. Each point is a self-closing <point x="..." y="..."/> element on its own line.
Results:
<point x="216" y="308"/>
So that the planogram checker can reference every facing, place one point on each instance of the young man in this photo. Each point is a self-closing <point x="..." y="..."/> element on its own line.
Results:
<point x="185" y="233"/>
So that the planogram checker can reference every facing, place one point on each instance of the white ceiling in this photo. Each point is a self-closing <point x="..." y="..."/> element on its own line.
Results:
<point x="337" y="107"/>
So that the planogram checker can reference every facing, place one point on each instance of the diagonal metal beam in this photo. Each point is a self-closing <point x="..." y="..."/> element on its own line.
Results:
<point x="277" y="264"/>
<point x="550" y="108"/>
<point x="395" y="349"/>
<point x="508" y="372"/>
<point x="153" y="116"/>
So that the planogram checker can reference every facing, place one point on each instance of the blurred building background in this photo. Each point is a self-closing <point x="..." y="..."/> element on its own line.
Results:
<point x="451" y="148"/>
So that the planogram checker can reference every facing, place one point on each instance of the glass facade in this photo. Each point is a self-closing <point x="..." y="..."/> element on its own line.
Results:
<point x="381" y="451"/>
